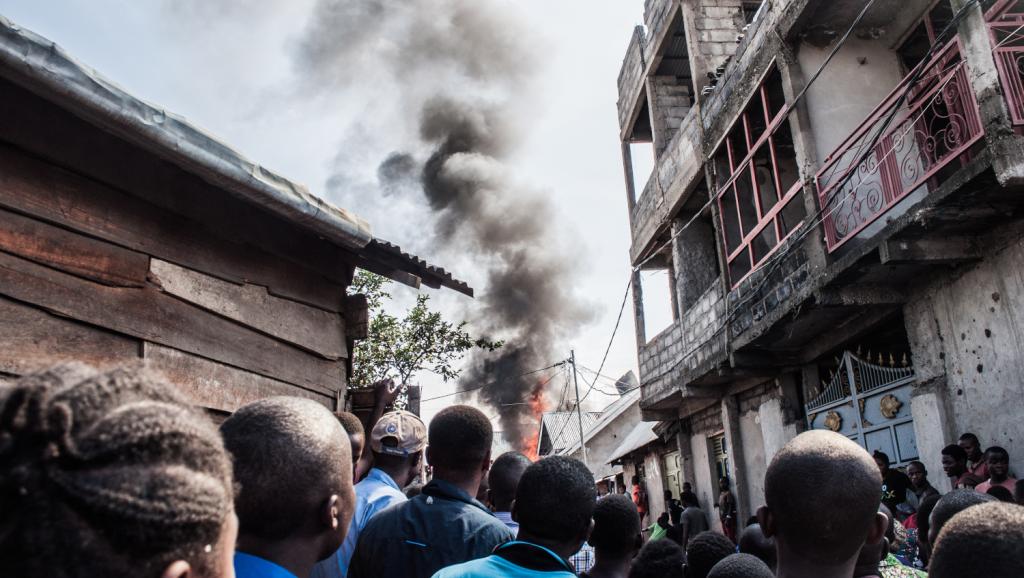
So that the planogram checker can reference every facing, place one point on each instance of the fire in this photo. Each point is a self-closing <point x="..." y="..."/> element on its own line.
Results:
<point x="539" y="403"/>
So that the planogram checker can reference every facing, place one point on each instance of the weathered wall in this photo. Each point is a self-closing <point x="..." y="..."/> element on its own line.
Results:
<point x="654" y="478"/>
<point x="847" y="90"/>
<point x="670" y="101"/>
<point x="754" y="465"/>
<point x="969" y="332"/>
<point x="704" y="485"/>
<point x="607" y="440"/>
<point x="694" y="259"/>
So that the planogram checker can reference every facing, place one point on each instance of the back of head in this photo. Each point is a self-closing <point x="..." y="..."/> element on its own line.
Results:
<point x="503" y="479"/>
<point x="956" y="452"/>
<point x="290" y="456"/>
<point x="555" y="499"/>
<point x="980" y="542"/>
<point x="822" y="491"/>
<point x="658" y="559"/>
<point x="741" y="566"/>
<point x="952" y="504"/>
<point x="107" y="474"/>
<point x="459" y="439"/>
<point x="616" y="527"/>
<point x="350" y="423"/>
<point x="1000" y="493"/>
<point x="704" y="551"/>
<point x="754" y="542"/>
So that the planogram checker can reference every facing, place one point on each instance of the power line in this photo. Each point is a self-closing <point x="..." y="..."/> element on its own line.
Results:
<point x="474" y="388"/>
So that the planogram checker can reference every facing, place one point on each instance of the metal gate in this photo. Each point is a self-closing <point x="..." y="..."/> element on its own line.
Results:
<point x="869" y="404"/>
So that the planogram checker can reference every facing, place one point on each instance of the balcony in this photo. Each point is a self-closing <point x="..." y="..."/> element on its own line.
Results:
<point x="921" y="134"/>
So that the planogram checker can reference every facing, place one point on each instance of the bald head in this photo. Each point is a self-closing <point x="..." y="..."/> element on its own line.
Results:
<point x="291" y="456"/>
<point x="822" y="493"/>
<point x="982" y="541"/>
<point x="754" y="542"/>
<point x="503" y="479"/>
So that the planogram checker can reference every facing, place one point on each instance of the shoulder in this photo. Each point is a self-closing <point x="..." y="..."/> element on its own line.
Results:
<point x="478" y="567"/>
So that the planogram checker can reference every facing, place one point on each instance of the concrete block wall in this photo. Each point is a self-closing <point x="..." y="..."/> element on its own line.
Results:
<point x="631" y="76"/>
<point x="657" y="15"/>
<point x="670" y="100"/>
<point x="766" y="293"/>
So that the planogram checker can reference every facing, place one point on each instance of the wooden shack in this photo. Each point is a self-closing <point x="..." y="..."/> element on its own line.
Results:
<point x="127" y="233"/>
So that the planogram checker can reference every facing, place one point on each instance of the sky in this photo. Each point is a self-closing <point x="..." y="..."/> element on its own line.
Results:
<point x="232" y="69"/>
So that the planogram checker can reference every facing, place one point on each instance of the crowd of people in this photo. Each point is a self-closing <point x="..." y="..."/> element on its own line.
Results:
<point x="115" y="474"/>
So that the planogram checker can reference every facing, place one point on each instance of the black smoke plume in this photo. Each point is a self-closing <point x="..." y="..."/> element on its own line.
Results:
<point x="460" y="65"/>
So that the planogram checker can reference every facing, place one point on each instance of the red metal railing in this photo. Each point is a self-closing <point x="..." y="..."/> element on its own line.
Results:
<point x="1006" y="27"/>
<point x="929" y="137"/>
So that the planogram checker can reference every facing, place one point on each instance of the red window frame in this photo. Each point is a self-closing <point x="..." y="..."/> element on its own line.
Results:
<point x="767" y="218"/>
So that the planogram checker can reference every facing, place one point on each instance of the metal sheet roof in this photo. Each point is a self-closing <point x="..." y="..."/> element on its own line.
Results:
<point x="641" y="435"/>
<point x="562" y="434"/>
<point x="43" y="67"/>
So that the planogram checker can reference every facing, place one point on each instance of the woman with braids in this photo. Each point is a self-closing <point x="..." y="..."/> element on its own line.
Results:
<point x="108" y="475"/>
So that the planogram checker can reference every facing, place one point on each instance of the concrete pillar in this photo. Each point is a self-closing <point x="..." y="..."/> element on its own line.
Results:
<point x="774" y="429"/>
<point x="704" y="484"/>
<point x="1007" y="149"/>
<point x="932" y="429"/>
<point x="685" y="457"/>
<point x="693" y="258"/>
<point x="638" y="309"/>
<point x="627" y="169"/>
<point x="734" y="445"/>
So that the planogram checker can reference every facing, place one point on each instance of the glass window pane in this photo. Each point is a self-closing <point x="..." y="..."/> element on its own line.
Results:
<point x="940" y="17"/>
<point x="791" y="215"/>
<point x="738" y="140"/>
<point x="745" y="198"/>
<point x="722" y="169"/>
<point x="765" y="175"/>
<point x="785" y="158"/>
<point x="773" y="90"/>
<point x="730" y="221"/>
<point x="764" y="242"/>
<point x="739" y="266"/>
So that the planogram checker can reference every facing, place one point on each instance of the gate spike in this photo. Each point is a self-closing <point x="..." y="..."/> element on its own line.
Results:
<point x="905" y="362"/>
<point x="892" y="361"/>
<point x="859" y="354"/>
<point x="881" y="360"/>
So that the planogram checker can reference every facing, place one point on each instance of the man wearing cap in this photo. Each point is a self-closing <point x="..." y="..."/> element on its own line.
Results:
<point x="397" y="443"/>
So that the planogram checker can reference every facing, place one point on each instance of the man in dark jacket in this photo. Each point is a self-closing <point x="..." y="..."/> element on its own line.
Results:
<point x="444" y="525"/>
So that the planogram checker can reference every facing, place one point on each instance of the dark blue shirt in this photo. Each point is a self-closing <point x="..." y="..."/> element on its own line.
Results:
<point x="438" y="528"/>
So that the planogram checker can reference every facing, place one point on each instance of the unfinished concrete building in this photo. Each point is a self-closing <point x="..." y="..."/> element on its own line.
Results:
<point x="841" y="232"/>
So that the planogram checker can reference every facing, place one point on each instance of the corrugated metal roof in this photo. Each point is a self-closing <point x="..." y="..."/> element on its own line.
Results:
<point x="561" y="434"/>
<point x="43" y="67"/>
<point x="641" y="435"/>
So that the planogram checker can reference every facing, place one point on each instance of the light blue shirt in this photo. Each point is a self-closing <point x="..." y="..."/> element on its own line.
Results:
<point x="497" y="566"/>
<point x="506" y="518"/>
<point x="376" y="492"/>
<point x="249" y="566"/>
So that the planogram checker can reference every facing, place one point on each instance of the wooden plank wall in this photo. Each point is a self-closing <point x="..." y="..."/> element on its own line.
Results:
<point x="90" y="272"/>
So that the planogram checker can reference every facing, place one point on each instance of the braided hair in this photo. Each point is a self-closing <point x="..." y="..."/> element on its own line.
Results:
<point x="107" y="474"/>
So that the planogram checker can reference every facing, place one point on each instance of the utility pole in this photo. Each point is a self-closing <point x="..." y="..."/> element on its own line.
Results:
<point x="579" y="410"/>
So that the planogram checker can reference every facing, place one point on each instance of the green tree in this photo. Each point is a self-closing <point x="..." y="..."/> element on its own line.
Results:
<point x="399" y="348"/>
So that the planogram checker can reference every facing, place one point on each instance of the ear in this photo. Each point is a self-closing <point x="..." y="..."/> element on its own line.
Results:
<point x="767" y="521"/>
<point x="430" y="458"/>
<point x="515" y="513"/>
<point x="877" y="530"/>
<point x="487" y="461"/>
<point x="331" y="514"/>
<point x="177" y="569"/>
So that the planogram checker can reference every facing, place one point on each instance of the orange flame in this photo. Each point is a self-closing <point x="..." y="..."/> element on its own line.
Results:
<point x="539" y="403"/>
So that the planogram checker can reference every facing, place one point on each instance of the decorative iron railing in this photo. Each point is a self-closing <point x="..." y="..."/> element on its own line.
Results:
<point x="1006" y="28"/>
<point x="935" y="124"/>
<point x="866" y="377"/>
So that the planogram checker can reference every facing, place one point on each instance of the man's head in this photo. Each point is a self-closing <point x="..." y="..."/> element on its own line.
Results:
<point x="982" y="541"/>
<point x="111" y="474"/>
<point x="998" y="461"/>
<point x="917" y="473"/>
<point x="503" y="479"/>
<point x="704" y="551"/>
<point x="950" y="505"/>
<point x="923" y="517"/>
<point x="971" y="446"/>
<point x="954" y="460"/>
<point x="356" y="435"/>
<point x="822" y="495"/>
<point x="616" y="531"/>
<point x="663" y="520"/>
<point x="397" y="441"/>
<point x="741" y="566"/>
<point x="554" y="503"/>
<point x="687" y="487"/>
<point x="635" y="480"/>
<point x="1001" y="493"/>
<point x="1018" y="492"/>
<point x="658" y="559"/>
<point x="295" y="483"/>
<point x="690" y="499"/>
<point x="882" y="461"/>
<point x="754" y="542"/>
<point x="723" y="483"/>
<point x="459" y="445"/>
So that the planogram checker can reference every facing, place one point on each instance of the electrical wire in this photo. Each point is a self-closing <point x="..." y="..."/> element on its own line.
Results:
<point x="474" y="388"/>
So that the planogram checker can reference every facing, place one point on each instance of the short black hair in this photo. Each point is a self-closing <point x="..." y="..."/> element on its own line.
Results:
<point x="956" y="452"/>
<point x="616" y="526"/>
<point x="822" y="490"/>
<point x="1001" y="493"/>
<point x="741" y="566"/>
<point x="290" y="454"/>
<point x="459" y="438"/>
<point x="555" y="499"/>
<point x="923" y="517"/>
<point x="918" y="464"/>
<point x="658" y="559"/>
<point x="704" y="551"/>
<point x="997" y="450"/>
<point x="351" y="423"/>
<point x="107" y="474"/>
<point x="1018" y="491"/>
<point x="754" y="542"/>
<point x="992" y="534"/>
<point x="503" y="479"/>
<point x="970" y="437"/>
<point x="884" y="457"/>
<point x="952" y="504"/>
<point x="689" y="499"/>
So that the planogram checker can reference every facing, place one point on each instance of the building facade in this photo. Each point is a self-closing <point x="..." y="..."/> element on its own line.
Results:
<point x="836" y="198"/>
